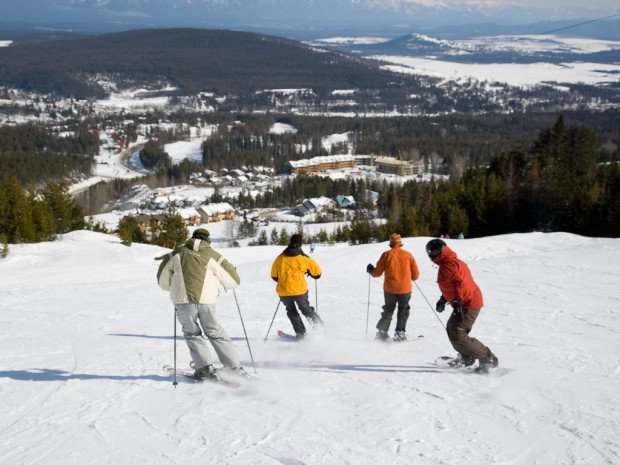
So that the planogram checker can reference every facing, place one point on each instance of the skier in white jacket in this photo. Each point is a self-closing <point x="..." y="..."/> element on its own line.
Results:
<point x="193" y="273"/>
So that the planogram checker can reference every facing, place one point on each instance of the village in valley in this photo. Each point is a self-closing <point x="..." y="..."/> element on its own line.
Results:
<point x="210" y="197"/>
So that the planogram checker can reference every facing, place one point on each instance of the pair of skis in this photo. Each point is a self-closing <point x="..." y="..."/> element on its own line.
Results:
<point x="190" y="374"/>
<point x="291" y="337"/>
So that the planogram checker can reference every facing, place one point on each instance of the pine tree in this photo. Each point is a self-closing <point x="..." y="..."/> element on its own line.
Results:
<point x="173" y="231"/>
<point x="284" y="237"/>
<point x="129" y="231"/>
<point x="67" y="215"/>
<point x="262" y="238"/>
<point x="15" y="212"/>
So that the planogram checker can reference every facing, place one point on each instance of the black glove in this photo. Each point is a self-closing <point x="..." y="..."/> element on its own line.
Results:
<point x="457" y="307"/>
<point x="370" y="268"/>
<point x="440" y="306"/>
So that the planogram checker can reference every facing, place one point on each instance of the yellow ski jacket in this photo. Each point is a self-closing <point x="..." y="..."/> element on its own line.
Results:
<point x="289" y="270"/>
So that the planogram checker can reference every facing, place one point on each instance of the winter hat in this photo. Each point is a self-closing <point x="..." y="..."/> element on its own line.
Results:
<point x="296" y="240"/>
<point x="395" y="240"/>
<point x="202" y="234"/>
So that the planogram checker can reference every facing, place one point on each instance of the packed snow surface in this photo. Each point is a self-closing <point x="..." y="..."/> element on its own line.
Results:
<point x="86" y="331"/>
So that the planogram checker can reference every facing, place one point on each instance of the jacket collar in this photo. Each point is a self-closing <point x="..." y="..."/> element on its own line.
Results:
<point x="293" y="251"/>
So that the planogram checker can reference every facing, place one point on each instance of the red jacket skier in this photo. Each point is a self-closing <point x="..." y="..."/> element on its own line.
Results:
<point x="458" y="288"/>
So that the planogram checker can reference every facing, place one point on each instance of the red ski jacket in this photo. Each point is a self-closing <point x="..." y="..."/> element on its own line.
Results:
<point x="455" y="280"/>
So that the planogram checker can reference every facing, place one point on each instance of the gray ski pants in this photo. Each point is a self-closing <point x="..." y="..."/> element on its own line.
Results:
<point x="189" y="315"/>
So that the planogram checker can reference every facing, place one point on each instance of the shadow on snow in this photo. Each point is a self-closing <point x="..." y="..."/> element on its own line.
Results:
<point x="46" y="374"/>
<point x="179" y="337"/>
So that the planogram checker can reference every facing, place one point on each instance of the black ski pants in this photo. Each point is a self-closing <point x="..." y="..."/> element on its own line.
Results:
<point x="304" y="307"/>
<point x="391" y="300"/>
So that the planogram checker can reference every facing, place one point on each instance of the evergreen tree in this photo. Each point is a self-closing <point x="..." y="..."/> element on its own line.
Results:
<point x="284" y="237"/>
<point x="129" y="231"/>
<point x="67" y="215"/>
<point x="15" y="212"/>
<point x="262" y="238"/>
<point x="363" y="230"/>
<point x="173" y="231"/>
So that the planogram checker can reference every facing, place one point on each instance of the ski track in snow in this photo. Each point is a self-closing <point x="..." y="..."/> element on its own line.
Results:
<point x="87" y="330"/>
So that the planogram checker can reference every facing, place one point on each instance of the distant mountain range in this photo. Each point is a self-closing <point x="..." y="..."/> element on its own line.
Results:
<point x="292" y="18"/>
<point x="524" y="48"/>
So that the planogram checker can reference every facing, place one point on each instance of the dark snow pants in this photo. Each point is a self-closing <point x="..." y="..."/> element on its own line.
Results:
<point x="391" y="300"/>
<point x="304" y="307"/>
<point x="458" y="332"/>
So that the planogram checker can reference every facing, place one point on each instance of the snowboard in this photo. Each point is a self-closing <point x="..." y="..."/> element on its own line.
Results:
<point x="443" y="362"/>
<point x="189" y="374"/>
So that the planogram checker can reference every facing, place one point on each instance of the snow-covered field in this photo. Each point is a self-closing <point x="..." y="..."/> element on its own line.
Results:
<point x="515" y="74"/>
<point x="86" y="330"/>
<point x="190" y="149"/>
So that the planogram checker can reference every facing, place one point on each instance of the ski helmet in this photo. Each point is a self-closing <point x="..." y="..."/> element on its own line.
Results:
<point x="434" y="248"/>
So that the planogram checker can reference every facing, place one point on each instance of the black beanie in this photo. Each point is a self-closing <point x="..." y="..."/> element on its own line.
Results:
<point x="296" y="239"/>
<point x="202" y="234"/>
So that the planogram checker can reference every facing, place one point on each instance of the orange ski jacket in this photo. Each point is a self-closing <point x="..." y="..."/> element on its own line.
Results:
<point x="455" y="280"/>
<point x="400" y="269"/>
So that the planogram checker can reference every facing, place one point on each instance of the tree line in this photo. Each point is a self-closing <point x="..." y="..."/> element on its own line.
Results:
<point x="36" y="214"/>
<point x="33" y="154"/>
<point x="563" y="181"/>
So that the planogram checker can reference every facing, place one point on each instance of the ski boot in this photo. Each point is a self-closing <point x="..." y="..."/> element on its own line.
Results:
<point x="207" y="372"/>
<point x="237" y="372"/>
<point x="400" y="336"/>
<point x="486" y="363"/>
<point x="382" y="336"/>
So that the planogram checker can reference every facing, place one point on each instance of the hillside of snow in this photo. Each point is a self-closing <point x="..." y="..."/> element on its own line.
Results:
<point x="86" y="330"/>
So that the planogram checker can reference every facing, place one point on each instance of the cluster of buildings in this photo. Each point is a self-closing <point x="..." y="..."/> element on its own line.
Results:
<point x="192" y="216"/>
<point x="385" y="165"/>
<point x="257" y="177"/>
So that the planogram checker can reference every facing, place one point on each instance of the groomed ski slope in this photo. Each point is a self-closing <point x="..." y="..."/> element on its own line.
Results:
<point x="85" y="331"/>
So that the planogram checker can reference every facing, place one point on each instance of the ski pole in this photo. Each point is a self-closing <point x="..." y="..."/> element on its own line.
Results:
<point x="429" y="304"/>
<point x="316" y="297"/>
<point x="174" y="381"/>
<point x="368" y="307"/>
<point x="274" y="317"/>
<point x="244" y="331"/>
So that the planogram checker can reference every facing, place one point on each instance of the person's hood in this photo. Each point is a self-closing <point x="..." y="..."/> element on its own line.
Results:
<point x="193" y="242"/>
<point x="293" y="251"/>
<point x="446" y="254"/>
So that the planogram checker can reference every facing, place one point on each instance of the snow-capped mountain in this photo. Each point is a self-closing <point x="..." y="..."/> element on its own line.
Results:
<point x="273" y="14"/>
